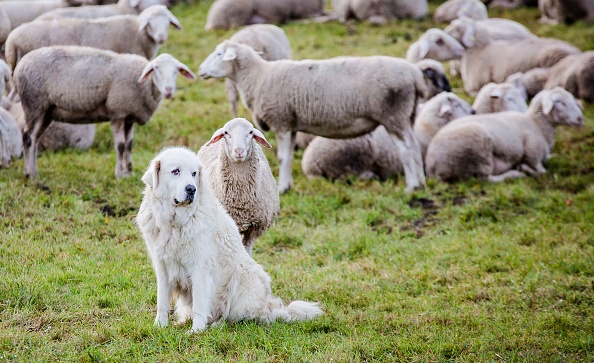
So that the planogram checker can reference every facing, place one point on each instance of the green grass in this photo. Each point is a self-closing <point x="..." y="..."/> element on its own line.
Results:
<point x="468" y="272"/>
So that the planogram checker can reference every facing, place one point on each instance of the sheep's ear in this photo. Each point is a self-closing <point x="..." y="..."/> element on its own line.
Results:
<point x="218" y="135"/>
<point x="134" y="3"/>
<point x="185" y="71"/>
<point x="146" y="72"/>
<point x="468" y="38"/>
<point x="496" y="93"/>
<point x="151" y="176"/>
<point x="580" y="104"/>
<point x="547" y="103"/>
<point x="445" y="109"/>
<point x="423" y="48"/>
<point x="230" y="54"/>
<point x="174" y="21"/>
<point x="143" y="22"/>
<point x="199" y="179"/>
<point x="260" y="139"/>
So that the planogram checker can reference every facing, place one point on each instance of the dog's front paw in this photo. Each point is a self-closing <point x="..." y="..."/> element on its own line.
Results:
<point x="161" y="321"/>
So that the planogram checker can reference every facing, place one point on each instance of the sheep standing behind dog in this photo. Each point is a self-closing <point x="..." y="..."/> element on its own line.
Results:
<point x="379" y="12"/>
<point x="499" y="97"/>
<point x="373" y="155"/>
<point x="502" y="145"/>
<point x="267" y="39"/>
<point x="340" y="98"/>
<point x="92" y="85"/>
<point x="197" y="254"/>
<point x="225" y="14"/>
<point x="241" y="179"/>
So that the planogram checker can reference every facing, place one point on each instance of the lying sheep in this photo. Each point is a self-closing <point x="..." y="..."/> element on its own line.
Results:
<point x="499" y="97"/>
<point x="486" y="60"/>
<point x="435" y="44"/>
<point x="342" y="97"/>
<point x="565" y="11"/>
<point x="454" y="9"/>
<point x="58" y="135"/>
<point x="5" y="78"/>
<point x="225" y="14"/>
<point x="435" y="79"/>
<point x="241" y="179"/>
<point x="92" y="85"/>
<point x="123" y="7"/>
<point x="267" y="39"/>
<point x="502" y="145"/>
<point x="11" y="142"/>
<point x="510" y="4"/>
<point x="5" y="27"/>
<point x="143" y="34"/>
<point x="531" y="82"/>
<point x="373" y="155"/>
<point x="379" y="12"/>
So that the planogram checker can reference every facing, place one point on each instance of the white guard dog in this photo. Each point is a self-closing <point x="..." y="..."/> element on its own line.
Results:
<point x="196" y="251"/>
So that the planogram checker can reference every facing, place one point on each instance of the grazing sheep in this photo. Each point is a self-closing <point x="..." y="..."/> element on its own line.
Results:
<point x="435" y="78"/>
<point x="485" y="60"/>
<point x="454" y="9"/>
<point x="339" y="98"/>
<point x="225" y="14"/>
<point x="88" y="85"/>
<point x="143" y="34"/>
<point x="59" y="135"/>
<point x="11" y="142"/>
<point x="379" y="11"/>
<point x="123" y="7"/>
<point x="239" y="175"/>
<point x="373" y="155"/>
<point x="435" y="44"/>
<point x="499" y="97"/>
<point x="267" y="39"/>
<point x="531" y="82"/>
<point x="502" y="145"/>
<point x="565" y="11"/>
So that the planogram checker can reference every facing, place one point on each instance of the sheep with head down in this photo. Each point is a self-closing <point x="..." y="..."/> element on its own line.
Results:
<point x="241" y="179"/>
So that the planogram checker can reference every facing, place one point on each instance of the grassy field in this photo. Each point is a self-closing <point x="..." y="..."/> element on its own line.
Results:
<point x="468" y="272"/>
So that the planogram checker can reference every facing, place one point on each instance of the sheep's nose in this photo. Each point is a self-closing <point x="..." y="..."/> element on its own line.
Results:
<point x="238" y="151"/>
<point x="190" y="189"/>
<point x="580" y="120"/>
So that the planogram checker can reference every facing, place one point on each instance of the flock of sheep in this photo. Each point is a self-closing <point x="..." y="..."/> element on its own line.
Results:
<point x="368" y="117"/>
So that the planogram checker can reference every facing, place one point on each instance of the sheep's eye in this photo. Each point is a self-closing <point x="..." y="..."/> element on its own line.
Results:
<point x="194" y="174"/>
<point x="439" y="41"/>
<point x="175" y="172"/>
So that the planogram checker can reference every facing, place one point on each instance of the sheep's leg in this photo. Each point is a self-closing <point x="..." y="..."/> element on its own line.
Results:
<point x="231" y="95"/>
<point x="118" y="128"/>
<point x="129" y="133"/>
<point x="510" y="174"/>
<point x="5" y="150"/>
<point x="540" y="169"/>
<point x="412" y="160"/>
<point x="163" y="295"/>
<point x="249" y="239"/>
<point x="286" y="148"/>
<point x="30" y="140"/>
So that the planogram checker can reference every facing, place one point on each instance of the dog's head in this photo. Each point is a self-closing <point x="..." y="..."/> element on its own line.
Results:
<point x="175" y="176"/>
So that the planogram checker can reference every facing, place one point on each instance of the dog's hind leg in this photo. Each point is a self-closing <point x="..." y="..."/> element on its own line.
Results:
<point x="183" y="306"/>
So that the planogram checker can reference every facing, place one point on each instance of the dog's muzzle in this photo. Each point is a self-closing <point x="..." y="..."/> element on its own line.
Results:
<point x="190" y="193"/>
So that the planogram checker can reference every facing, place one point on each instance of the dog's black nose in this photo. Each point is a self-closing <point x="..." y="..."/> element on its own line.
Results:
<point x="190" y="189"/>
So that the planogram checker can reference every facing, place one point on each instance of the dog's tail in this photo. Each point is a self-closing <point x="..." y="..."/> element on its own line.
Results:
<point x="297" y="310"/>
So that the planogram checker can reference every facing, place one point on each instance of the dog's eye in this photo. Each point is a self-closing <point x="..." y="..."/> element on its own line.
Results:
<point x="175" y="172"/>
<point x="194" y="174"/>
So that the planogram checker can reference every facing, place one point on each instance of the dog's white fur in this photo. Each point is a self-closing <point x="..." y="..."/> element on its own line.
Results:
<point x="196" y="251"/>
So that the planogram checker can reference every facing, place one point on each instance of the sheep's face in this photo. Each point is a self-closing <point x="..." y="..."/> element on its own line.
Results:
<point x="561" y="108"/>
<point x="239" y="134"/>
<point x="507" y="98"/>
<point x="463" y="30"/>
<point x="437" y="44"/>
<point x="434" y="76"/>
<point x="219" y="63"/>
<point x="163" y="71"/>
<point x="452" y="107"/>
<point x="175" y="176"/>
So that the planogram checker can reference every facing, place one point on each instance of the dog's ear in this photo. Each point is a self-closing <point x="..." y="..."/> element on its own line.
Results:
<point x="151" y="176"/>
